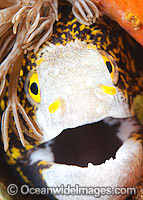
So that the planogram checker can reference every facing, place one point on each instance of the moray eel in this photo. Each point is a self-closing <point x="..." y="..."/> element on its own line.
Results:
<point x="81" y="75"/>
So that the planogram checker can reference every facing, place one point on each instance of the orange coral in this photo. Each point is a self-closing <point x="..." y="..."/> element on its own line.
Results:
<point x="128" y="13"/>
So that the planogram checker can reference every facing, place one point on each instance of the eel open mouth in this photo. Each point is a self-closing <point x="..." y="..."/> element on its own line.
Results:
<point x="94" y="143"/>
<point x="92" y="156"/>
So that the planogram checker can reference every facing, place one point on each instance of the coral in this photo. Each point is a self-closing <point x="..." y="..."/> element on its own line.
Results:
<point x="127" y="13"/>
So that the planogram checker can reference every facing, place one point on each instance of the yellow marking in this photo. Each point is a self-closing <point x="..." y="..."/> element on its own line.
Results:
<point x="6" y="103"/>
<point x="112" y="53"/>
<point x="43" y="162"/>
<point x="59" y="23"/>
<point x="71" y="22"/>
<point x="38" y="62"/>
<point x="9" y="131"/>
<point x="11" y="160"/>
<point x="99" y="39"/>
<point x="74" y="26"/>
<point x="82" y="27"/>
<point x="22" y="175"/>
<point x="36" y="143"/>
<point x="66" y="30"/>
<point x="74" y="34"/>
<point x="19" y="89"/>
<point x="2" y="105"/>
<point x="24" y="62"/>
<point x="23" y="101"/>
<point x="6" y="94"/>
<point x="125" y="83"/>
<point x="28" y="109"/>
<point x="136" y="88"/>
<point x="54" y="106"/>
<point x="88" y="38"/>
<point x="94" y="32"/>
<point x="34" y="117"/>
<point x="121" y="70"/>
<point x="28" y="67"/>
<point x="108" y="89"/>
<point x="7" y="83"/>
<point x="64" y="42"/>
<point x="124" y="91"/>
<point x="21" y="72"/>
<point x="32" y="60"/>
<point x="63" y="36"/>
<point x="58" y="44"/>
<point x="59" y="30"/>
<point x="15" y="153"/>
<point x="59" y="15"/>
<point x="90" y="46"/>
<point x="23" y="78"/>
<point x="108" y="41"/>
<point x="137" y="137"/>
<point x="116" y="51"/>
<point x="98" y="45"/>
<point x="28" y="147"/>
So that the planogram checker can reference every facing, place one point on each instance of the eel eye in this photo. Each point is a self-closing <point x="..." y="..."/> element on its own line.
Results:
<point x="32" y="89"/>
<point x="111" y="65"/>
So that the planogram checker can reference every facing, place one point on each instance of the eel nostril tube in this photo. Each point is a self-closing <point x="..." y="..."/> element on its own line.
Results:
<point x="108" y="89"/>
<point x="55" y="105"/>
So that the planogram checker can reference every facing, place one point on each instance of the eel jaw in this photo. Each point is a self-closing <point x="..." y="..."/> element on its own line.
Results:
<point x="124" y="171"/>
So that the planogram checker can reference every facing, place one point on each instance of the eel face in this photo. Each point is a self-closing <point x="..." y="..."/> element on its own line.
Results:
<point x="75" y="88"/>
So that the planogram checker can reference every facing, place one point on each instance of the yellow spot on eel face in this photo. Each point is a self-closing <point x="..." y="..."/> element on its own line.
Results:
<point x="108" y="89"/>
<point x="54" y="106"/>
